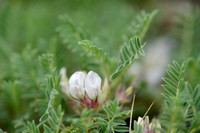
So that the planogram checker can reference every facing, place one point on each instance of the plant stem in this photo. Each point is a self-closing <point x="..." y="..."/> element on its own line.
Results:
<point x="125" y="70"/>
<point x="195" y="129"/>
<point x="60" y="122"/>
<point x="131" y="116"/>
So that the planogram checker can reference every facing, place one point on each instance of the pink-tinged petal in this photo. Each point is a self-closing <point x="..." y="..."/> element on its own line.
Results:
<point x="93" y="85"/>
<point x="76" y="85"/>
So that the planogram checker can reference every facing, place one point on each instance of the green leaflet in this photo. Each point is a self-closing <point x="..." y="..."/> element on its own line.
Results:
<point x="70" y="33"/>
<point x="92" y="49"/>
<point x="182" y="105"/>
<point x="111" y="120"/>
<point x="174" y="99"/>
<point x="140" y="26"/>
<point x="137" y="127"/>
<point x="129" y="53"/>
<point x="173" y="84"/>
<point x="52" y="117"/>
<point x="32" y="127"/>
<point x="121" y="129"/>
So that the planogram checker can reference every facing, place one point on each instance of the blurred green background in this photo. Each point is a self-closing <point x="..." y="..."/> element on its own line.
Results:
<point x="30" y="28"/>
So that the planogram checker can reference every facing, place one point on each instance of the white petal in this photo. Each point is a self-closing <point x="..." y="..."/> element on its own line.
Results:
<point x="76" y="92"/>
<point x="76" y="85"/>
<point x="93" y="85"/>
<point x="140" y="120"/>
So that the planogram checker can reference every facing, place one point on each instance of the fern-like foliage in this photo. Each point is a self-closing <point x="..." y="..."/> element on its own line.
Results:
<point x="51" y="82"/>
<point x="13" y="96"/>
<point x="109" y="121"/>
<point x="140" y="26"/>
<point x="188" y="31"/>
<point x="46" y="61"/>
<point x="21" y="86"/>
<point x="115" y="116"/>
<point x="73" y="34"/>
<point x="101" y="56"/>
<point x="92" y="49"/>
<point x="174" y="85"/>
<point x="172" y="118"/>
<point x="182" y="109"/>
<point x="32" y="128"/>
<point x="70" y="33"/>
<point x="193" y="70"/>
<point x="128" y="54"/>
<point x="52" y="118"/>
<point x="47" y="102"/>
<point x="25" y="68"/>
<point x="193" y="113"/>
<point x="78" y="124"/>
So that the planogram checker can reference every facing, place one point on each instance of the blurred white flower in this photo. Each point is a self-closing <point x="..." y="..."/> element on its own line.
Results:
<point x="156" y="60"/>
<point x="153" y="64"/>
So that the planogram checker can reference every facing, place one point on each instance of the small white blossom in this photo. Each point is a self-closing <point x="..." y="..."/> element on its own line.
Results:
<point x="148" y="127"/>
<point x="86" y="89"/>
<point x="152" y="66"/>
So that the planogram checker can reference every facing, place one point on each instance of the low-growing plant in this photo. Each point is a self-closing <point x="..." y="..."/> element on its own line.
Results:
<point x="39" y="95"/>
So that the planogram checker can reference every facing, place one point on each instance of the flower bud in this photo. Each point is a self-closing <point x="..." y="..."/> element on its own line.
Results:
<point x="64" y="81"/>
<point x="140" y="121"/>
<point x="93" y="86"/>
<point x="123" y="96"/>
<point x="76" y="85"/>
<point x="148" y="127"/>
<point x="154" y="124"/>
<point x="105" y="91"/>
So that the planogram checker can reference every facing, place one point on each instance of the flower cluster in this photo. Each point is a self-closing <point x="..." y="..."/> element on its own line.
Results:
<point x="82" y="87"/>
<point x="148" y="127"/>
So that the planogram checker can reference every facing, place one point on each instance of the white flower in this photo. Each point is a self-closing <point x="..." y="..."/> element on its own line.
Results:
<point x="83" y="90"/>
<point x="86" y="89"/>
<point x="93" y="85"/>
<point x="76" y="85"/>
<point x="148" y="127"/>
<point x="140" y="121"/>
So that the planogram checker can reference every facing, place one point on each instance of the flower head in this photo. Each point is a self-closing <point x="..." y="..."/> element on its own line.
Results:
<point x="148" y="127"/>
<point x="86" y="89"/>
